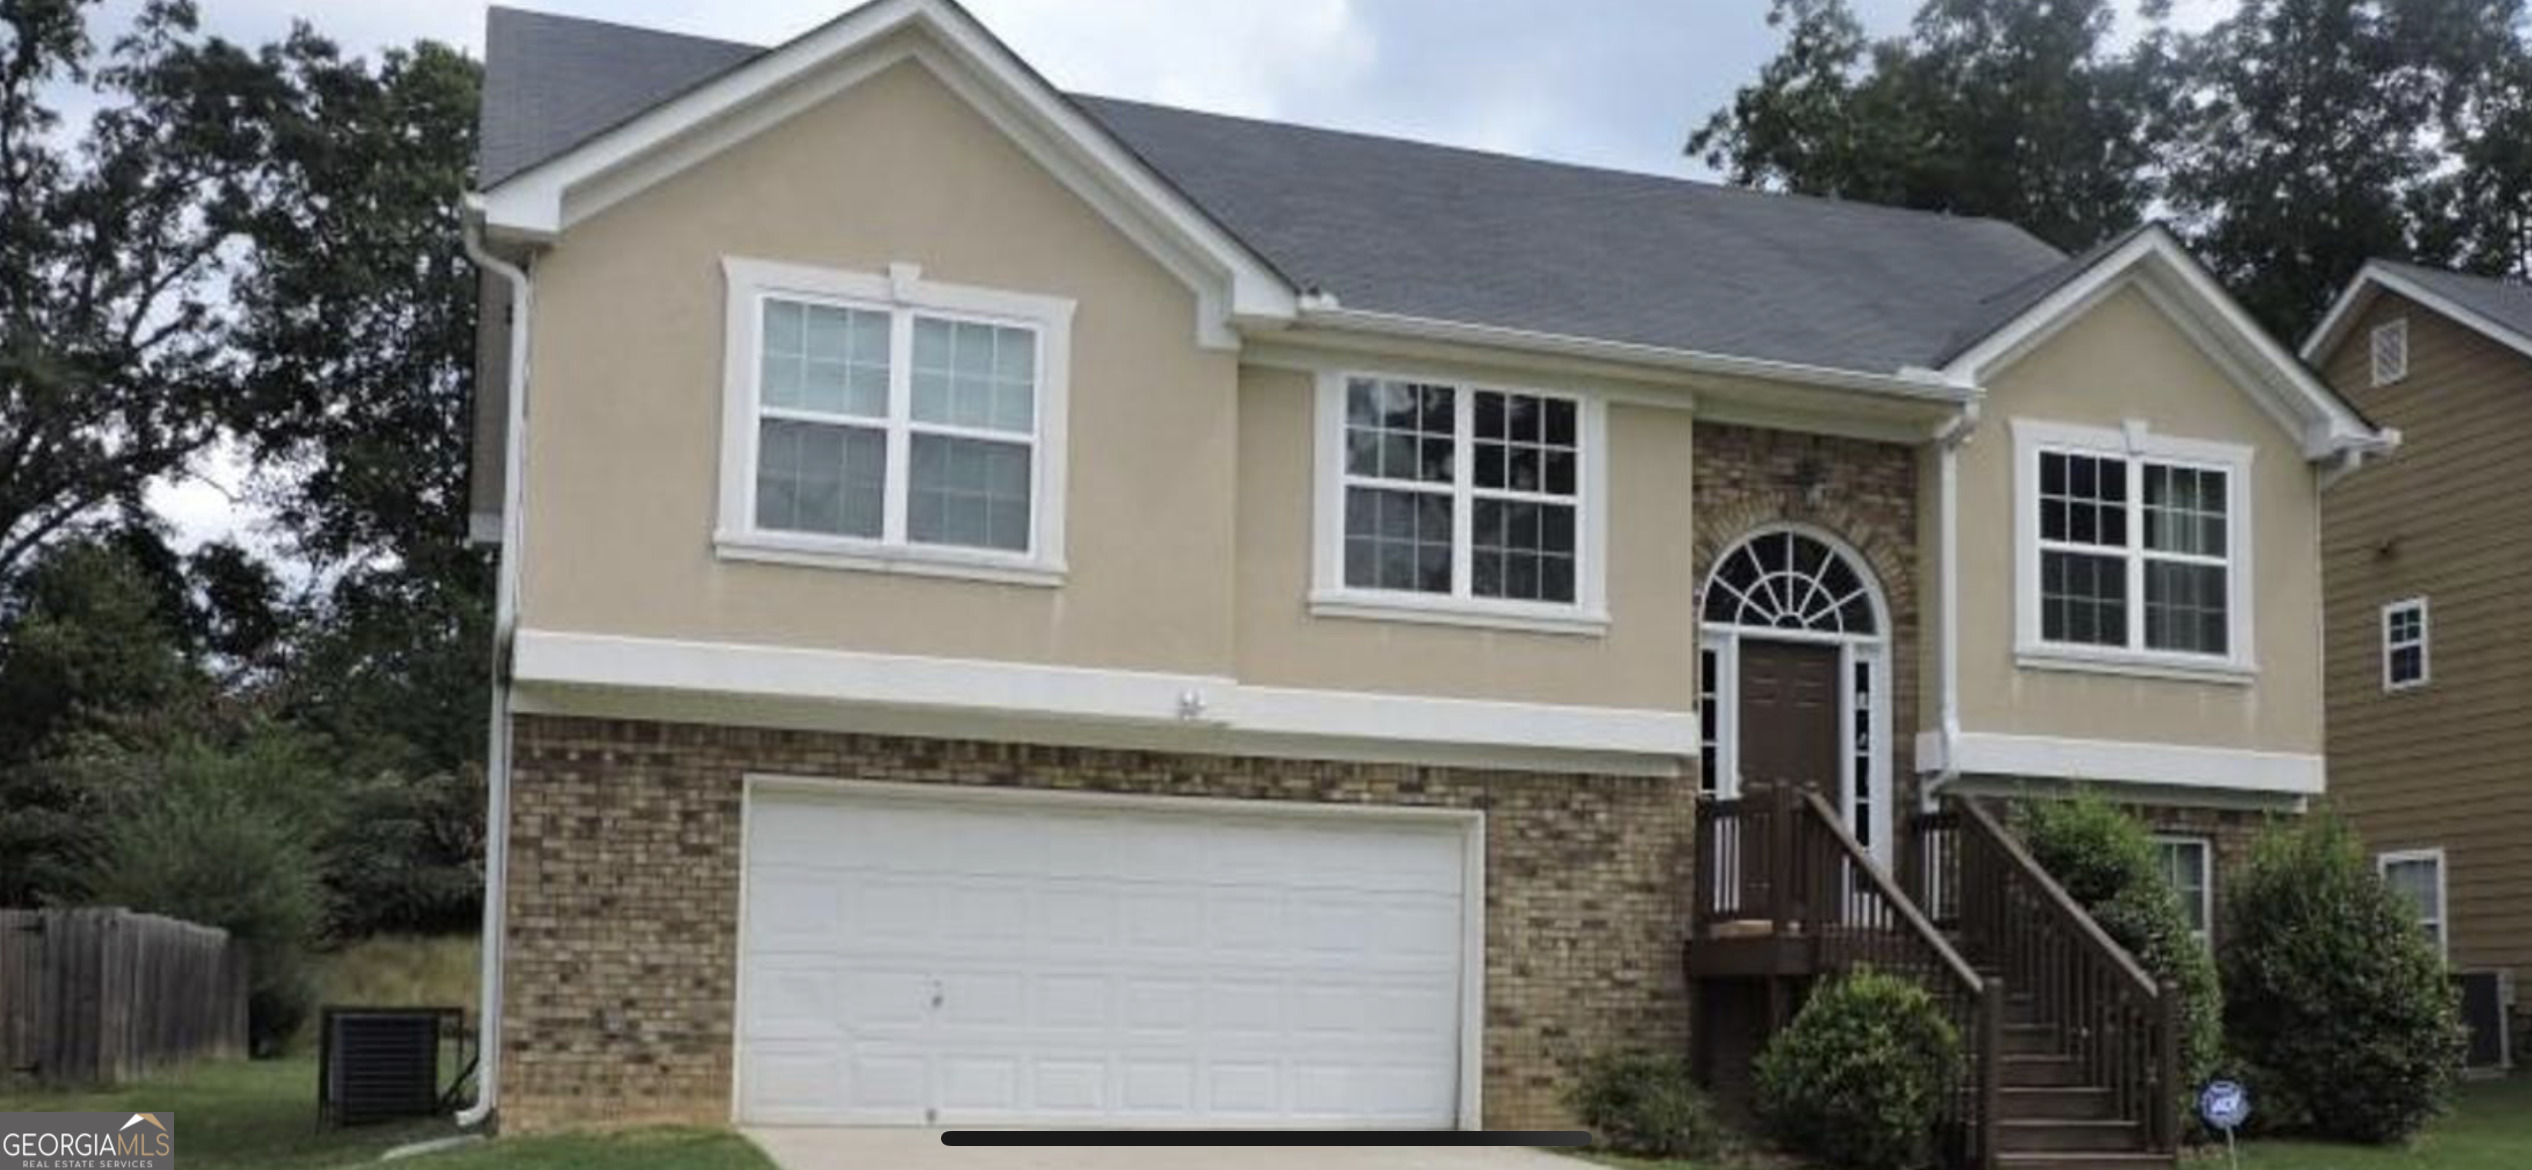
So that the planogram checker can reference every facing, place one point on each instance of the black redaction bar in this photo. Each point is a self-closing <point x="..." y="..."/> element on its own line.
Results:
<point x="1265" y="1137"/>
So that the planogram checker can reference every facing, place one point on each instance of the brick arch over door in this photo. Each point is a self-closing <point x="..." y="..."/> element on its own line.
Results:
<point x="1862" y="492"/>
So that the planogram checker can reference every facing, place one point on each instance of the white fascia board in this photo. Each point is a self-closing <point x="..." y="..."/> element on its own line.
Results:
<point x="2373" y="280"/>
<point x="2178" y="766"/>
<point x="656" y="675"/>
<point x="2288" y="389"/>
<point x="537" y="204"/>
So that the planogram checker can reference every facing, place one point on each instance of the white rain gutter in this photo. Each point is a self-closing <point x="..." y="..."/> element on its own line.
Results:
<point x="505" y="616"/>
<point x="1947" y="651"/>
<point x="2354" y="456"/>
<point x="1321" y="311"/>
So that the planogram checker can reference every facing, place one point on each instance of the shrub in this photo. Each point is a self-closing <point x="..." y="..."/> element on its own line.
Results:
<point x="406" y="855"/>
<point x="2104" y="857"/>
<point x="1859" y="1076"/>
<point x="1647" y="1104"/>
<point x="215" y="844"/>
<point x="2335" y="998"/>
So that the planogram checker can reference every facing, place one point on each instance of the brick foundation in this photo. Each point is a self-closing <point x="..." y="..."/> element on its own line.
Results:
<point x="624" y="877"/>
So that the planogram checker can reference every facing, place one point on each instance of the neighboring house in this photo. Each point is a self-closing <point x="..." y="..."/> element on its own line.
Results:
<point x="1029" y="608"/>
<point x="2430" y="717"/>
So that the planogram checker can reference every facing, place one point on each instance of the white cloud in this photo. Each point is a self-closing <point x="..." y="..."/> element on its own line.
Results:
<point x="1229" y="56"/>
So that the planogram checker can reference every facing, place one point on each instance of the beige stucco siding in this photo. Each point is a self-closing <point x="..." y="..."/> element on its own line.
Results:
<point x="2127" y="360"/>
<point x="1645" y="659"/>
<point x="1189" y="503"/>
<point x="626" y="396"/>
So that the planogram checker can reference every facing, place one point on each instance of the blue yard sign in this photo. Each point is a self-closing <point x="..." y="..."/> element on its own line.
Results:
<point x="2225" y="1105"/>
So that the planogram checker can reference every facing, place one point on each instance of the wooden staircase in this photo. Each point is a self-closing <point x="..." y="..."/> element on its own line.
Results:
<point x="2072" y="1050"/>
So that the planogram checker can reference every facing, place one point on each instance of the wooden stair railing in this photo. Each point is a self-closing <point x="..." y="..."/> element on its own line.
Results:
<point x="1783" y="857"/>
<point x="2113" y="1020"/>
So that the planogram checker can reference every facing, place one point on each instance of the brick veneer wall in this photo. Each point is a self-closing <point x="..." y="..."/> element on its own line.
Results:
<point x="1861" y="491"/>
<point x="624" y="876"/>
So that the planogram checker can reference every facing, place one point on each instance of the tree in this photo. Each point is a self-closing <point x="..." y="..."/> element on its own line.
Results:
<point x="91" y="654"/>
<point x="2308" y="138"/>
<point x="2016" y="109"/>
<point x="2479" y="212"/>
<point x="114" y="252"/>
<point x="272" y="237"/>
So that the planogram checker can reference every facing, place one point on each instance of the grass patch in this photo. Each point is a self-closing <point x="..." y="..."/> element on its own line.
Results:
<point x="2490" y="1129"/>
<point x="636" y="1149"/>
<point x="400" y="970"/>
<point x="261" y="1115"/>
<point x="240" y="1115"/>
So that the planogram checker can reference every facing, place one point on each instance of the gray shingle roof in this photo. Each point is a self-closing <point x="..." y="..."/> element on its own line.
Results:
<point x="1426" y="231"/>
<point x="2503" y="302"/>
<point x="553" y="82"/>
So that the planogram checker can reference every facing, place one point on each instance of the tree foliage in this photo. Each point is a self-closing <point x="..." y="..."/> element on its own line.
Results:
<point x="2312" y="133"/>
<point x="115" y="251"/>
<point x="2017" y="109"/>
<point x="2289" y="142"/>
<point x="256" y="247"/>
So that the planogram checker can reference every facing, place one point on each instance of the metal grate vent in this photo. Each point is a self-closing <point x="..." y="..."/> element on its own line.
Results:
<point x="379" y="1064"/>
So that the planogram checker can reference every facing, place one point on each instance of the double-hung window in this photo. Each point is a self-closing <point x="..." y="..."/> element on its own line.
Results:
<point x="887" y="422"/>
<point x="2135" y="548"/>
<point x="2405" y="644"/>
<point x="2188" y="866"/>
<point x="1445" y="501"/>
<point x="2417" y="875"/>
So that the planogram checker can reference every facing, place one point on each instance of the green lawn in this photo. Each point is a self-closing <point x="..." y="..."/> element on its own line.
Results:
<point x="2490" y="1129"/>
<point x="261" y="1115"/>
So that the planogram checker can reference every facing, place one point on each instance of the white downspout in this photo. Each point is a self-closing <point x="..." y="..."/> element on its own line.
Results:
<point x="504" y="622"/>
<point x="1947" y="443"/>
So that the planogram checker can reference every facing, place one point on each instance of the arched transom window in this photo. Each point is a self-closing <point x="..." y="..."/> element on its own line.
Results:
<point x="1785" y="580"/>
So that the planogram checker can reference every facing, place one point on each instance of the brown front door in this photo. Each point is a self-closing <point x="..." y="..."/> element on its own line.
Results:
<point x="1789" y="715"/>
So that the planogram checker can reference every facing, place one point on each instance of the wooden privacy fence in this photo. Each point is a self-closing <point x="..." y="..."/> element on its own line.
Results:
<point x="101" y="996"/>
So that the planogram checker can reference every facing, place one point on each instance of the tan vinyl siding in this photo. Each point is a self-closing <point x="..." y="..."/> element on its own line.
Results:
<point x="2449" y="764"/>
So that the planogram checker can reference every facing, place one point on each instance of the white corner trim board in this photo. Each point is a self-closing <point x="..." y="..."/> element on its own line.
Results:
<point x="2175" y="765"/>
<point x="1199" y="702"/>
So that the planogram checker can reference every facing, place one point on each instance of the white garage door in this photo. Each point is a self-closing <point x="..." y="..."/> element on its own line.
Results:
<point x="1066" y="960"/>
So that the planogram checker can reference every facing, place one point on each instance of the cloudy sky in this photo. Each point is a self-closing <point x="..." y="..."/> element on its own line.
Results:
<point x="1609" y="82"/>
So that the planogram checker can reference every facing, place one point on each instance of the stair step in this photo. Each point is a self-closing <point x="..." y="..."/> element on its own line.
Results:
<point x="2085" y="1161"/>
<point x="2064" y="1136"/>
<point x="2032" y="1071"/>
<point x="2022" y="1039"/>
<point x="2056" y="1102"/>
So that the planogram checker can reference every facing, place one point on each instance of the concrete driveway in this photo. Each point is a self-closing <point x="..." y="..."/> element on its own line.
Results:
<point x="921" y="1149"/>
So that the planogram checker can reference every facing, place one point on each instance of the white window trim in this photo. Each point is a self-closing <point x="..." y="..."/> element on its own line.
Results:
<point x="2207" y="878"/>
<point x="2396" y="328"/>
<point x="2443" y="915"/>
<point x="2425" y="644"/>
<point x="900" y="292"/>
<point x="1329" y="595"/>
<point x="2133" y="442"/>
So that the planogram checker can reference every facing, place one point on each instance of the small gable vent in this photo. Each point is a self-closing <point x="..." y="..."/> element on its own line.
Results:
<point x="2391" y="351"/>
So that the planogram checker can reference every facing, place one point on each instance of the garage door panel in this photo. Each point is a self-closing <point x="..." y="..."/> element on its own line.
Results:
<point x="1004" y="964"/>
<point x="792" y="997"/>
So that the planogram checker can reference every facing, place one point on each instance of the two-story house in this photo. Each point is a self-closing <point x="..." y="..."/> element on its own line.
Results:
<point x="2430" y="717"/>
<point x="1019" y="607"/>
